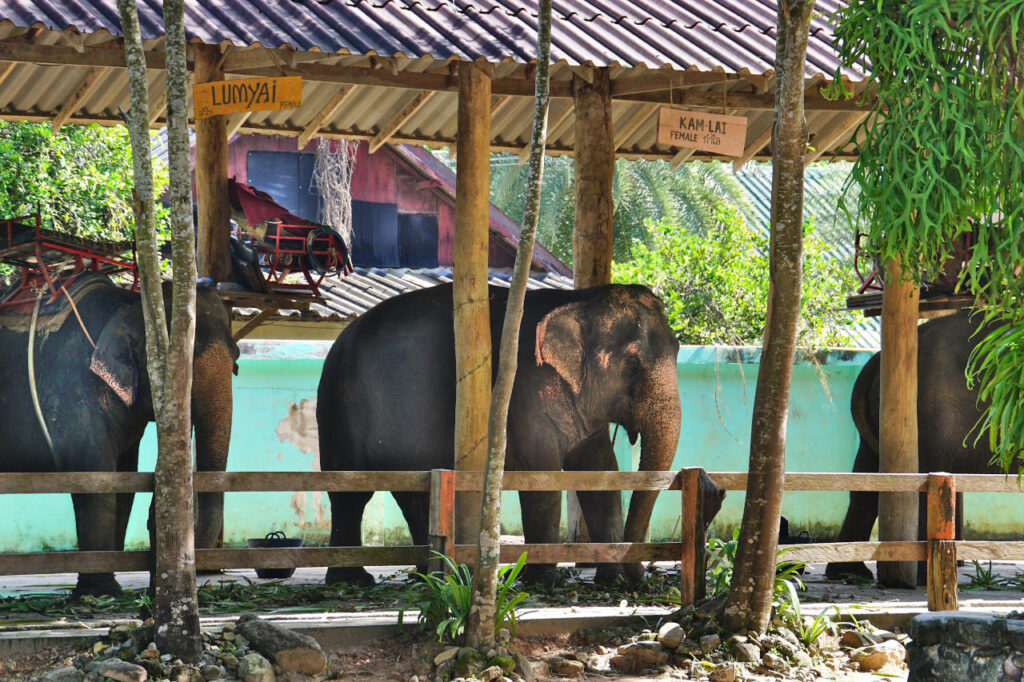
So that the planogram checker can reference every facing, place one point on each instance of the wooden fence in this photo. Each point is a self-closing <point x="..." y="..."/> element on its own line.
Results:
<point x="940" y="550"/>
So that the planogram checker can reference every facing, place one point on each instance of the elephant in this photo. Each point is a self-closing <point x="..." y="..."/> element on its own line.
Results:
<point x="947" y="414"/>
<point x="587" y="358"/>
<point x="92" y="392"/>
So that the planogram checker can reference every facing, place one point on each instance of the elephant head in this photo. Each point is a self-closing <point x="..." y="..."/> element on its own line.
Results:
<point x="617" y="354"/>
<point x="120" y="360"/>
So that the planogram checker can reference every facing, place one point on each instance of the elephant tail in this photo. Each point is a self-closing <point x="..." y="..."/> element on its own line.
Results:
<point x="860" y="401"/>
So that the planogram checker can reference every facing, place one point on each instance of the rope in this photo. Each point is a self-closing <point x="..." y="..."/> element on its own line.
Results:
<point x="79" y="317"/>
<point x="32" y="370"/>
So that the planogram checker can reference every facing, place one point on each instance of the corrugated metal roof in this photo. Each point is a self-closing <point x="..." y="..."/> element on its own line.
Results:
<point x="683" y="52"/>
<point x="345" y="298"/>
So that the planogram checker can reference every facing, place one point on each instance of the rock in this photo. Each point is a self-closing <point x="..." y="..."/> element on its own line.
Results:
<point x="447" y="655"/>
<point x="119" y="670"/>
<point x="877" y="656"/>
<point x="524" y="667"/>
<point x="802" y="658"/>
<point x="632" y="658"/>
<point x="564" y="666"/>
<point x="468" y="662"/>
<point x="503" y="661"/>
<point x="671" y="635"/>
<point x="68" y="673"/>
<point x="773" y="661"/>
<point x="255" y="668"/>
<point x="210" y="672"/>
<point x="856" y="639"/>
<point x="492" y="673"/>
<point x="745" y="652"/>
<point x="713" y="607"/>
<point x="724" y="672"/>
<point x="229" y="660"/>
<point x="709" y="643"/>
<point x="150" y="651"/>
<point x="289" y="649"/>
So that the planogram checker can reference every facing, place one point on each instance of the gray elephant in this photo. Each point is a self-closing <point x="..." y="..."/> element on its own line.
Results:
<point x="93" y="394"/>
<point x="587" y="358"/>
<point x="947" y="414"/>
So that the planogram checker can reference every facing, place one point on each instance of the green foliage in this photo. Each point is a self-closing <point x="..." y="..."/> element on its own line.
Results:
<point x="947" y="158"/>
<point x="985" y="578"/>
<point x="80" y="179"/>
<point x="444" y="598"/>
<point x="810" y="629"/>
<point x="723" y="558"/>
<point x="715" y="284"/>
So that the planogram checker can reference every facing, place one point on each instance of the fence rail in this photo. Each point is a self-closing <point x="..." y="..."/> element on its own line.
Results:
<point x="940" y="550"/>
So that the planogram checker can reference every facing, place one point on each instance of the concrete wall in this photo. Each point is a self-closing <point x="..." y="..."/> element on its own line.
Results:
<point x="275" y="430"/>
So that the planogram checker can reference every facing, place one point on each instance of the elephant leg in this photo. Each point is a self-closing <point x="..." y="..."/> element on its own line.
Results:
<point x="542" y="512"/>
<point x="96" y="522"/>
<point x="416" y="510"/>
<point x="346" y="531"/>
<point x="602" y="509"/>
<point x="860" y="519"/>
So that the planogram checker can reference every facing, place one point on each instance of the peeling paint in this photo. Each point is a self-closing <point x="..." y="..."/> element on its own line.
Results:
<point x="298" y="427"/>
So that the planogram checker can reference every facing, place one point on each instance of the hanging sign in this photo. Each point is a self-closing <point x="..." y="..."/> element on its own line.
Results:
<point x="716" y="133"/>
<point x="247" y="94"/>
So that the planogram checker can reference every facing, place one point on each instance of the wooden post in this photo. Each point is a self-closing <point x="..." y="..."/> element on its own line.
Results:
<point x="594" y="166"/>
<point x="213" y="211"/>
<point x="441" y="531"/>
<point x="897" y="512"/>
<point x="942" y="575"/>
<point x="691" y="527"/>
<point x="472" y="309"/>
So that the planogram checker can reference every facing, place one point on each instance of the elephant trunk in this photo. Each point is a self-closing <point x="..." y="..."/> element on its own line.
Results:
<point x="211" y="416"/>
<point x="657" y="417"/>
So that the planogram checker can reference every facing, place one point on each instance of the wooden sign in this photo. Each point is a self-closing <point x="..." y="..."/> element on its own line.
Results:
<point x="724" y="135"/>
<point x="247" y="94"/>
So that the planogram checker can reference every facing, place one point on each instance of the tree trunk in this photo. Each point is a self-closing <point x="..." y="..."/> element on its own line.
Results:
<point x="469" y="289"/>
<point x="750" y="595"/>
<point x="482" y="615"/>
<point x="169" y="355"/>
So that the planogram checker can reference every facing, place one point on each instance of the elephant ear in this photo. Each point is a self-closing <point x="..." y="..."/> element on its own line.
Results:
<point x="113" y="359"/>
<point x="560" y="343"/>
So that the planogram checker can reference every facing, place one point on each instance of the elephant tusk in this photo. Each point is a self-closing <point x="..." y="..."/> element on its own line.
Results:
<point x="32" y="371"/>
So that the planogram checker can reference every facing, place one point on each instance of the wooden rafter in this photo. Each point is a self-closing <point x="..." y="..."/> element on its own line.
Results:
<point x="72" y="103"/>
<point x="326" y="114"/>
<point x="825" y="142"/>
<point x="633" y="124"/>
<point x="236" y="121"/>
<point x="157" y="106"/>
<point x="554" y="127"/>
<point x="757" y="144"/>
<point x="681" y="156"/>
<point x="499" y="104"/>
<point x="407" y="112"/>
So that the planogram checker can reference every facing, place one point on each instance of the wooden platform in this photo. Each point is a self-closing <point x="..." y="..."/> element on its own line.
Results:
<point x="268" y="304"/>
<point x="930" y="306"/>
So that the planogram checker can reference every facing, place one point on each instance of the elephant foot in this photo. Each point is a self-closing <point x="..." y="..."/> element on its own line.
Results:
<point x="95" y="585"/>
<point x="843" y="570"/>
<point x="634" y="572"/>
<point x="608" y="574"/>
<point x="351" y="575"/>
<point x="540" y="574"/>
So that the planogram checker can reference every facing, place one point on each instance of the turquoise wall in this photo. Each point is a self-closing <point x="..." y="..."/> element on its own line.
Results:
<point x="275" y="430"/>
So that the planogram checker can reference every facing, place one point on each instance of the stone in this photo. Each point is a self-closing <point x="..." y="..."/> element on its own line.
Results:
<point x="116" y="669"/>
<point x="150" y="651"/>
<point x="802" y="658"/>
<point x="503" y="661"/>
<point x="877" y="656"/>
<point x="713" y="607"/>
<point x="564" y="667"/>
<point x="773" y="661"/>
<point x="745" y="652"/>
<point x="229" y="660"/>
<point x="524" y="667"/>
<point x="671" y="635"/>
<point x="492" y="673"/>
<point x="709" y="643"/>
<point x="468" y="662"/>
<point x="210" y="672"/>
<point x="723" y="672"/>
<point x="447" y="655"/>
<point x="154" y="668"/>
<point x="255" y="668"/>
<point x="856" y="639"/>
<point x="68" y="673"/>
<point x="291" y="650"/>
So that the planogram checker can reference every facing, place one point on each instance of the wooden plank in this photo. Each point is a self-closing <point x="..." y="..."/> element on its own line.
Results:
<point x="56" y="55"/>
<point x="897" y="425"/>
<point x="690" y="533"/>
<point x="77" y="482"/>
<point x="594" y="553"/>
<point x="72" y="562"/>
<point x="441" y="527"/>
<point x="244" y="330"/>
<point x="350" y="481"/>
<point x="942" y="576"/>
<point x="858" y="551"/>
<point x="632" y="125"/>
<point x="982" y="550"/>
<point x="407" y="112"/>
<point x="825" y="481"/>
<point x="328" y="112"/>
<point x="986" y="483"/>
<point x="72" y="104"/>
<point x="210" y="559"/>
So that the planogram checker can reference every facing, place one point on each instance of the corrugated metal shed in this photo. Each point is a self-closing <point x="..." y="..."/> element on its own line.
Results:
<point x="63" y="61"/>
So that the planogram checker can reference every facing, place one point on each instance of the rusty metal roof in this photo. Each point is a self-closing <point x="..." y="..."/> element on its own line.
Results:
<point x="61" y="60"/>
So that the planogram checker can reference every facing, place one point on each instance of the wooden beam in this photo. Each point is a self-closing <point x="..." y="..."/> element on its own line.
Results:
<point x="6" y="69"/>
<point x="470" y="274"/>
<point x="632" y="125"/>
<point x="833" y="136"/>
<point x="897" y="424"/>
<point x="325" y="114"/>
<point x="213" y="251"/>
<point x="499" y="104"/>
<point x="244" y="330"/>
<point x="681" y="156"/>
<point x="55" y="55"/>
<point x="72" y="103"/>
<point x="157" y="106"/>
<point x="752" y="148"/>
<point x="553" y="130"/>
<point x="669" y="80"/>
<point x="235" y="123"/>
<point x="594" y="167"/>
<point x="407" y="112"/>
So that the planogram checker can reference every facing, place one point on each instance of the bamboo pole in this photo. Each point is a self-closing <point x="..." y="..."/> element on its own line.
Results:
<point x="897" y="512"/>
<point x="472" y="310"/>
